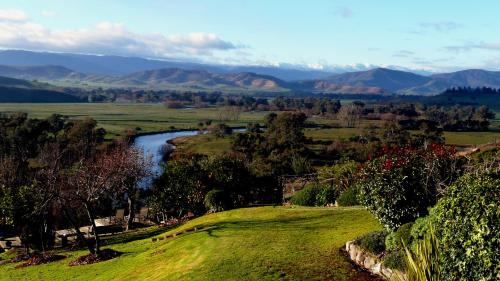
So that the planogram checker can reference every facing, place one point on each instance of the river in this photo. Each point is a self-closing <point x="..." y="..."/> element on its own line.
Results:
<point x="152" y="144"/>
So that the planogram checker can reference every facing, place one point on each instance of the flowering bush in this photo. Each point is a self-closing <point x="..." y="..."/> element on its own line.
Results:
<point x="401" y="183"/>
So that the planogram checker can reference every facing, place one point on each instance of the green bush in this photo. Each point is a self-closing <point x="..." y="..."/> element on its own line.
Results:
<point x="468" y="227"/>
<point x="373" y="241"/>
<point x="394" y="241"/>
<point x="400" y="186"/>
<point x="307" y="196"/>
<point x="419" y="230"/>
<point x="215" y="201"/>
<point x="325" y="196"/>
<point x="395" y="260"/>
<point x="349" y="197"/>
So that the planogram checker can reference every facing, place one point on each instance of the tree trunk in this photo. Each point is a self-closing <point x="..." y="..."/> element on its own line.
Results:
<point x="90" y="213"/>
<point x="131" y="211"/>
<point x="79" y="234"/>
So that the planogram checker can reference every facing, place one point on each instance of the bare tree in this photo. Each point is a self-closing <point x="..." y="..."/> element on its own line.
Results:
<point x="349" y="115"/>
<point x="131" y="167"/>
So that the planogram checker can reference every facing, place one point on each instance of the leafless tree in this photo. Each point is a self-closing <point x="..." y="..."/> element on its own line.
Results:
<point x="349" y="115"/>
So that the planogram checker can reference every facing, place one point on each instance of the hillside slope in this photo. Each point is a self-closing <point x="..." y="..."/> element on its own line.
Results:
<point x="265" y="243"/>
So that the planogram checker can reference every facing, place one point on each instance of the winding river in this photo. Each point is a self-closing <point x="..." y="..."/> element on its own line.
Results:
<point x="152" y="145"/>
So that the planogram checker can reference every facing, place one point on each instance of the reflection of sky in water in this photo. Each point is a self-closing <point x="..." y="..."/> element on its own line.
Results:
<point x="151" y="145"/>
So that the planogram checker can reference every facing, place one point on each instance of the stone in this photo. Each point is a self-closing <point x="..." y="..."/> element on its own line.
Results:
<point x="369" y="262"/>
<point x="360" y="258"/>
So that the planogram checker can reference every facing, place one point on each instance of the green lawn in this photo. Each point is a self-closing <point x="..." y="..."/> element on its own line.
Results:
<point x="264" y="243"/>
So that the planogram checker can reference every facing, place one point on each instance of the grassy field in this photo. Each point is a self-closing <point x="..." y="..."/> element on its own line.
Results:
<point x="264" y="243"/>
<point x="117" y="117"/>
<point x="156" y="117"/>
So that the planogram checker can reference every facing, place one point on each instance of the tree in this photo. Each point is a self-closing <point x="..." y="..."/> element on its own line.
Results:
<point x="350" y="114"/>
<point x="92" y="181"/>
<point x="130" y="167"/>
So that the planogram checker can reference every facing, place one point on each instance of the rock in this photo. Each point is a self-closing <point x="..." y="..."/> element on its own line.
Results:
<point x="360" y="258"/>
<point x="369" y="262"/>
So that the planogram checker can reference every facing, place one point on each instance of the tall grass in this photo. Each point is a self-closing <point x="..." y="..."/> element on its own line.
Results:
<point x="423" y="264"/>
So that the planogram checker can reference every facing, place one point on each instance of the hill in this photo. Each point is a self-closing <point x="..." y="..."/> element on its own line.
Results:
<point x="388" y="79"/>
<point x="264" y="243"/>
<point x="47" y="72"/>
<point x="471" y="78"/>
<point x="120" y="66"/>
<point x="17" y="90"/>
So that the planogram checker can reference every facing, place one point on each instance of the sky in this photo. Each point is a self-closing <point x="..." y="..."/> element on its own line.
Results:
<point x="424" y="35"/>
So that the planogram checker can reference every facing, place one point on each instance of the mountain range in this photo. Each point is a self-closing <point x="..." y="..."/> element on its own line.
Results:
<point x="108" y="71"/>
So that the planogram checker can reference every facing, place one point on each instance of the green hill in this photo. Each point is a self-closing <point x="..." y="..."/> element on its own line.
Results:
<point x="264" y="243"/>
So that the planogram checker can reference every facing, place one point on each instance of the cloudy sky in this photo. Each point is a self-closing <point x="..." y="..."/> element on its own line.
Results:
<point x="421" y="35"/>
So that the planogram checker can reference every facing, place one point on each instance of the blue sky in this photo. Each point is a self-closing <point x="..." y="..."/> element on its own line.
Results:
<point x="421" y="35"/>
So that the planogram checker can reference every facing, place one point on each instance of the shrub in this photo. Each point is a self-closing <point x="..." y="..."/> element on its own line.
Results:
<point x="419" y="229"/>
<point x="349" y="197"/>
<point x="373" y="241"/>
<point x="215" y="201"/>
<point x="400" y="185"/>
<point x="307" y="196"/>
<point x="325" y="196"/>
<point x="467" y="224"/>
<point x="395" y="260"/>
<point x="395" y="240"/>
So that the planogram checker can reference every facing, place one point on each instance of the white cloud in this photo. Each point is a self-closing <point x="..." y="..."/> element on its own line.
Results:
<point x="106" y="38"/>
<point x="470" y="46"/>
<point x="13" y="16"/>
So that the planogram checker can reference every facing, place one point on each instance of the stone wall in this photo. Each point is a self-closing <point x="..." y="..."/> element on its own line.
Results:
<point x="370" y="262"/>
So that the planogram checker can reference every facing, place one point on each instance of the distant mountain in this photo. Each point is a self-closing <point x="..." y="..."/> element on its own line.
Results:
<point x="471" y="78"/>
<point x="119" y="66"/>
<point x="200" y="79"/>
<point x="17" y="90"/>
<point x="387" y="79"/>
<point x="48" y="72"/>
<point x="77" y="70"/>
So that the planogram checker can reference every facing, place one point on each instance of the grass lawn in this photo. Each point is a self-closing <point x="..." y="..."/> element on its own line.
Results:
<point x="203" y="144"/>
<point x="264" y="243"/>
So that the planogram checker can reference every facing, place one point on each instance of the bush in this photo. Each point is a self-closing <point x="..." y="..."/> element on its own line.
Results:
<point x="419" y="230"/>
<point x="373" y="241"/>
<point x="307" y="196"/>
<point x="395" y="260"/>
<point x="215" y="201"/>
<point x="468" y="227"/>
<point x="394" y="241"/>
<point x="325" y="196"/>
<point x="349" y="197"/>
<point x="400" y="185"/>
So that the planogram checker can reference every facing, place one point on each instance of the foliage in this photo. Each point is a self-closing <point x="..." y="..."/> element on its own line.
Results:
<point x="373" y="241"/>
<point x="399" y="186"/>
<point x="467" y="223"/>
<point x="395" y="260"/>
<point x="395" y="240"/>
<point x="424" y="263"/>
<point x="215" y="201"/>
<point x="339" y="177"/>
<point x="306" y="196"/>
<point x="349" y="197"/>
<point x="325" y="196"/>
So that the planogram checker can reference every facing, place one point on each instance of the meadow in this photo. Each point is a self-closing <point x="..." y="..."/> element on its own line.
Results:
<point x="115" y="118"/>
<point x="261" y="243"/>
